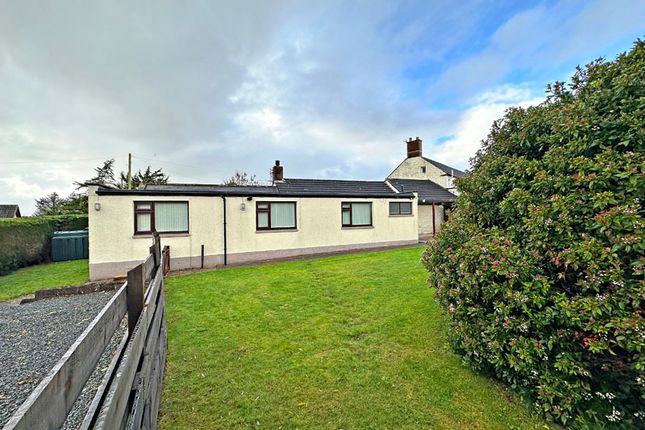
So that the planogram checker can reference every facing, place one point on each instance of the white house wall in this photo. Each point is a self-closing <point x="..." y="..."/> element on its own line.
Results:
<point x="114" y="248"/>
<point x="425" y="220"/>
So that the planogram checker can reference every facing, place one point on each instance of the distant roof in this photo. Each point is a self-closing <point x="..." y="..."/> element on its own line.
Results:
<point x="428" y="190"/>
<point x="9" y="211"/>
<point x="446" y="169"/>
<point x="288" y="187"/>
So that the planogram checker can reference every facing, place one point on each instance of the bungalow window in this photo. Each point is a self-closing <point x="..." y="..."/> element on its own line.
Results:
<point x="162" y="217"/>
<point x="275" y="215"/>
<point x="356" y="214"/>
<point x="400" y="208"/>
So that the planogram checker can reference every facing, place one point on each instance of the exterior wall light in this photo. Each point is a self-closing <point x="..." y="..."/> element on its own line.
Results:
<point x="97" y="206"/>
<point x="242" y="206"/>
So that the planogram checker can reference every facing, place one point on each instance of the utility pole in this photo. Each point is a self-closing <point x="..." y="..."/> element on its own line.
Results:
<point x="129" y="171"/>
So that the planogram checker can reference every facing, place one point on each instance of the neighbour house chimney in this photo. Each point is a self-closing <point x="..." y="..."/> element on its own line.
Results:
<point x="278" y="173"/>
<point x="414" y="147"/>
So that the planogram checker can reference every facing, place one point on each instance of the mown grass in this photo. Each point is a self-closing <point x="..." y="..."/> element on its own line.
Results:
<point x="52" y="275"/>
<point x="348" y="342"/>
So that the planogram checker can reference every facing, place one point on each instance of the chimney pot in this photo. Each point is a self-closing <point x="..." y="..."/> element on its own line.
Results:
<point x="277" y="162"/>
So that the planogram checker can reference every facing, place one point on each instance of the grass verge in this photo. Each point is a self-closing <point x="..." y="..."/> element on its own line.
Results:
<point x="52" y="275"/>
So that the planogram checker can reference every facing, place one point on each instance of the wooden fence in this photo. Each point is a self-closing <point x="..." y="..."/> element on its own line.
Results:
<point x="129" y="393"/>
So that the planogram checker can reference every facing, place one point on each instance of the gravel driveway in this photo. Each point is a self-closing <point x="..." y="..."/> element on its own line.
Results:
<point x="34" y="336"/>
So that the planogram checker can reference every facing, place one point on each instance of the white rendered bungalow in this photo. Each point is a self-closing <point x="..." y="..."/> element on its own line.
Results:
<point x="209" y="226"/>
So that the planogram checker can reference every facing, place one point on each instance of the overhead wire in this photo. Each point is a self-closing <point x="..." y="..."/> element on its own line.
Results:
<point x="73" y="160"/>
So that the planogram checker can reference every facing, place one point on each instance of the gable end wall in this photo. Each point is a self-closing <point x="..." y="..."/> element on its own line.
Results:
<point x="410" y="168"/>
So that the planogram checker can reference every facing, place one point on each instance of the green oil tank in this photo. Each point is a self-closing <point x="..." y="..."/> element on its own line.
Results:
<point x="69" y="245"/>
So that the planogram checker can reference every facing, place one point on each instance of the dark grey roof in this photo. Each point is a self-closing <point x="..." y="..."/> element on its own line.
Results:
<point x="9" y="211"/>
<point x="334" y="186"/>
<point x="428" y="190"/>
<point x="446" y="169"/>
<point x="288" y="187"/>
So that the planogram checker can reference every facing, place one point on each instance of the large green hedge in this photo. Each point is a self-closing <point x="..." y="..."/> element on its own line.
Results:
<point x="26" y="241"/>
<point x="541" y="266"/>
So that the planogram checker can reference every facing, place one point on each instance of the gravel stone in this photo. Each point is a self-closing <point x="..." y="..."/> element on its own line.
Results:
<point x="34" y="336"/>
<point x="77" y="414"/>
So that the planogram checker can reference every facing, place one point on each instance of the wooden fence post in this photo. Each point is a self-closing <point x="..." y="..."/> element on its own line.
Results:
<point x="152" y="249"/>
<point x="134" y="293"/>
<point x="166" y="260"/>
<point x="155" y="249"/>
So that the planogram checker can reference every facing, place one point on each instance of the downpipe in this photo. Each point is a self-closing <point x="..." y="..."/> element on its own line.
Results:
<point x="225" y="242"/>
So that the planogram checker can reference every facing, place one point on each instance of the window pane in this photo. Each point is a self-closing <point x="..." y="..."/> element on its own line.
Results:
<point x="283" y="215"/>
<point x="263" y="219"/>
<point x="346" y="205"/>
<point x="143" y="222"/>
<point x="361" y="214"/>
<point x="394" y="208"/>
<point x="263" y="205"/>
<point x="406" y="208"/>
<point x="346" y="219"/>
<point x="143" y="206"/>
<point x="171" y="216"/>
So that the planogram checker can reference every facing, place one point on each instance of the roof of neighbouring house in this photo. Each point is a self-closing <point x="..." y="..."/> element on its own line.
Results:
<point x="286" y="188"/>
<point x="9" y="211"/>
<point x="451" y="171"/>
<point x="428" y="191"/>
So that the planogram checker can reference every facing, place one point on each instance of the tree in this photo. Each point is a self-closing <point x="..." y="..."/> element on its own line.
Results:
<point x="541" y="267"/>
<point x="76" y="203"/>
<point x="241" y="179"/>
<point x="147" y="177"/>
<point x="51" y="204"/>
<point x="104" y="176"/>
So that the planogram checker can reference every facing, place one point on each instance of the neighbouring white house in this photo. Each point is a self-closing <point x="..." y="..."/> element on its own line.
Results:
<point x="433" y="182"/>
<point x="209" y="226"/>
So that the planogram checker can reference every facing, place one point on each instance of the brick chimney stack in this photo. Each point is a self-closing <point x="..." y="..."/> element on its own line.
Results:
<point x="278" y="173"/>
<point x="414" y="147"/>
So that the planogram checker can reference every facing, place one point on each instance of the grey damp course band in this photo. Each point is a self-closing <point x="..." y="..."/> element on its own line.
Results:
<point x="90" y="287"/>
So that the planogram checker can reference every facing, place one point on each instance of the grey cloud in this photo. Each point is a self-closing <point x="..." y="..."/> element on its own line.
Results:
<point x="206" y="88"/>
<point x="139" y="63"/>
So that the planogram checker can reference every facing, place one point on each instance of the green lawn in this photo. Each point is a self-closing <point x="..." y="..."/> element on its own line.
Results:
<point x="26" y="281"/>
<point x="348" y="342"/>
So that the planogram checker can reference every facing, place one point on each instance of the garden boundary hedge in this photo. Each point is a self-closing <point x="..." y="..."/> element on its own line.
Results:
<point x="541" y="268"/>
<point x="27" y="241"/>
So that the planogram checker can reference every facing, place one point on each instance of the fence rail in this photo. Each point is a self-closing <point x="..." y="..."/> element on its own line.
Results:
<point x="129" y="394"/>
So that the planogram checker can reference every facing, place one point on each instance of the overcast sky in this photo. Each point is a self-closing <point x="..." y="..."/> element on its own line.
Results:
<point x="330" y="88"/>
